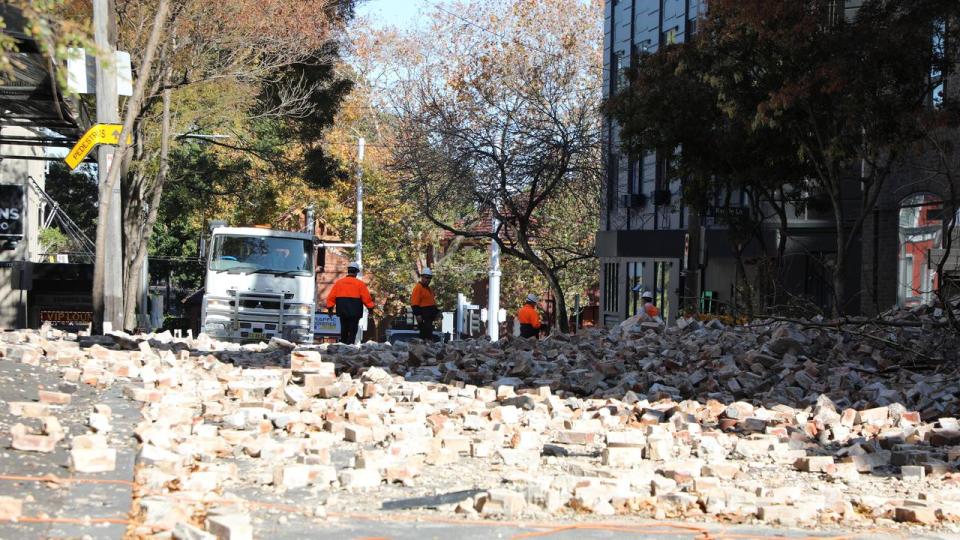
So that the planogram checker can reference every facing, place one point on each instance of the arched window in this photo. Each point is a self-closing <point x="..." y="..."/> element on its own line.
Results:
<point x="920" y="231"/>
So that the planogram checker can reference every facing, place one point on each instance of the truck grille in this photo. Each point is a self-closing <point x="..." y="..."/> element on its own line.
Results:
<point x="259" y="303"/>
<point x="259" y="315"/>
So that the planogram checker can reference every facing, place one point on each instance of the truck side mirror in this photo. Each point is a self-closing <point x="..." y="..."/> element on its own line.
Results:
<point x="203" y="248"/>
<point x="321" y="259"/>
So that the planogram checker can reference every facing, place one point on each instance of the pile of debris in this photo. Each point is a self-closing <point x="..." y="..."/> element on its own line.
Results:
<point x="775" y="423"/>
<point x="912" y="363"/>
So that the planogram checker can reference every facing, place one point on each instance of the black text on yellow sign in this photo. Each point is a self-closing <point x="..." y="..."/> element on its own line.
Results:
<point x="98" y="134"/>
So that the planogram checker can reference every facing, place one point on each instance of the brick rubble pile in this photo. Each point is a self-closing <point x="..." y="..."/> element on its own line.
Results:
<point x="776" y="423"/>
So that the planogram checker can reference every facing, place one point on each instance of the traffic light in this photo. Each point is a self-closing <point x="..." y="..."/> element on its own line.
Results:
<point x="474" y="316"/>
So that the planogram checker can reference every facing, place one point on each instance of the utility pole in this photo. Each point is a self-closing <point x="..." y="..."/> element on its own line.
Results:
<point x="493" y="295"/>
<point x="359" y="243"/>
<point x="105" y="36"/>
<point x="360" y="144"/>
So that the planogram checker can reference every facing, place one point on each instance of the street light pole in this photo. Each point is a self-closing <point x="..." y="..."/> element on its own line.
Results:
<point x="105" y="36"/>
<point x="359" y="250"/>
<point x="493" y="295"/>
<point x="359" y="243"/>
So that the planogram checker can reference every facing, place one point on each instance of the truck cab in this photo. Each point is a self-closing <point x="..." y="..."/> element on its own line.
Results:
<point x="260" y="283"/>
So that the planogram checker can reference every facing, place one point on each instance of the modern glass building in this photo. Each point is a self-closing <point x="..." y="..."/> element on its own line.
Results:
<point x="647" y="241"/>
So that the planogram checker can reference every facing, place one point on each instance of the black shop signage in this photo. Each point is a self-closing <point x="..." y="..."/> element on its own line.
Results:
<point x="11" y="210"/>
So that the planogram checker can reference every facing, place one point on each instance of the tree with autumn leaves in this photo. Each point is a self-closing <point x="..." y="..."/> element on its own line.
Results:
<point x="796" y="103"/>
<point x="261" y="65"/>
<point x="245" y="111"/>
<point x="495" y="119"/>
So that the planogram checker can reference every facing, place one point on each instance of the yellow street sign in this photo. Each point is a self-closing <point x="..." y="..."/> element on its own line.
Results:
<point x="98" y="134"/>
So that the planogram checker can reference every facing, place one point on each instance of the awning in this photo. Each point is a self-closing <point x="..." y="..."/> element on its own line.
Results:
<point x="32" y="98"/>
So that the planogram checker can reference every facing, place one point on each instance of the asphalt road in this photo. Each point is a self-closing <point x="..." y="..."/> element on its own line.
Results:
<point x="58" y="510"/>
<point x="98" y="505"/>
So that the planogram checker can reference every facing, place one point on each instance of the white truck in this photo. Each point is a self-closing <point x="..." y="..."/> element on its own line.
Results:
<point x="260" y="283"/>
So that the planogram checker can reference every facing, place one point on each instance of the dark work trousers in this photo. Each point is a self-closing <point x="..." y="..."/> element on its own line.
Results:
<point x="425" y="325"/>
<point x="348" y="329"/>
<point x="528" y="331"/>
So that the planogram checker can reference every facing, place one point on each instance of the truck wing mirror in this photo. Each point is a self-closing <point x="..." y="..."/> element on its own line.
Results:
<point x="321" y="258"/>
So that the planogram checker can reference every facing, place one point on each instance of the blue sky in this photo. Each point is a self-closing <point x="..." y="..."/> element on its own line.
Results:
<point x="401" y="13"/>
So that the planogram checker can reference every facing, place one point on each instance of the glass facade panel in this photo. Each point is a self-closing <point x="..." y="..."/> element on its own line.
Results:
<point x="634" y="287"/>
<point x="661" y="292"/>
<point x="611" y="279"/>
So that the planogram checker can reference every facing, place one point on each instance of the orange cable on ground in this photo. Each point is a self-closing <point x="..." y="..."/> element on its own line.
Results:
<point x="58" y="479"/>
<point x="699" y="532"/>
<point x="725" y="536"/>
<point x="256" y="504"/>
<point x="640" y="528"/>
<point x="416" y="517"/>
<point x="73" y="521"/>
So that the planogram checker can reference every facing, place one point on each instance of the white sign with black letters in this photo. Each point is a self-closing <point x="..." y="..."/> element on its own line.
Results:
<point x="11" y="210"/>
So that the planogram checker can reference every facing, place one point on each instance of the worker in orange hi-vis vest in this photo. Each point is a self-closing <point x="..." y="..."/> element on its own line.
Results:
<point x="349" y="295"/>
<point x="529" y="318"/>
<point x="648" y="306"/>
<point x="424" y="305"/>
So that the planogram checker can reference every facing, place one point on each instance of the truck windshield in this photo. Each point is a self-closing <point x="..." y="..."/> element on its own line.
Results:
<point x="262" y="255"/>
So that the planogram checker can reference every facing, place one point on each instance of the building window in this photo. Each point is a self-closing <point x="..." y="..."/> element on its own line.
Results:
<point x="834" y="9"/>
<point x="635" y="180"/>
<point x="613" y="188"/>
<point x="611" y="279"/>
<point x="662" y="181"/>
<point x="618" y="72"/>
<point x="642" y="48"/>
<point x="939" y="54"/>
<point x="661" y="292"/>
<point x="634" y="287"/>
<point x="669" y="37"/>
<point x="921" y="232"/>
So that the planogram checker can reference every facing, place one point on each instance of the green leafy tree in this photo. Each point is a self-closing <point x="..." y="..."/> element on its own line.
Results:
<point x="75" y="193"/>
<point x="52" y="240"/>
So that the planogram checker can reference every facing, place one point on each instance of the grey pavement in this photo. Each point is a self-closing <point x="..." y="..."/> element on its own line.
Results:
<point x="72" y="500"/>
<point x="281" y="526"/>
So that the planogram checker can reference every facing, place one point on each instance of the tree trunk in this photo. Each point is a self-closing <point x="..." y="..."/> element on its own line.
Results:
<point x="840" y="265"/>
<point x="132" y="292"/>
<point x="527" y="253"/>
<point x="946" y="287"/>
<point x="691" y="264"/>
<point x="134" y="105"/>
<point x="133" y="201"/>
<point x="744" y="282"/>
<point x="839" y="274"/>
<point x="563" y="322"/>
<point x="133" y="281"/>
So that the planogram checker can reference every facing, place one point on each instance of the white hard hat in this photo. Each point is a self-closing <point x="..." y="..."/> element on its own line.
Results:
<point x="354" y="265"/>
<point x="426" y="271"/>
<point x="646" y="294"/>
<point x="532" y="298"/>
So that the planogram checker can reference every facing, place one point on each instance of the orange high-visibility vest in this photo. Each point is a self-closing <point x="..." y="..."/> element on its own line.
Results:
<point x="422" y="296"/>
<point x="529" y="315"/>
<point x="349" y="287"/>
